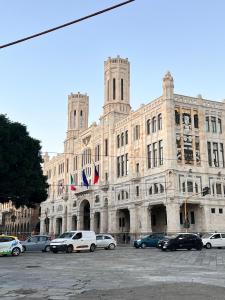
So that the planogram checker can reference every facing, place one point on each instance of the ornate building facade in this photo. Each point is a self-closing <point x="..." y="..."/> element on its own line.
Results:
<point x="153" y="163"/>
<point x="19" y="221"/>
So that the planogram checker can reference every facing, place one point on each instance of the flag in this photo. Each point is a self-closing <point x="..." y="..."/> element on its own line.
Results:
<point x="96" y="176"/>
<point x="84" y="178"/>
<point x="72" y="186"/>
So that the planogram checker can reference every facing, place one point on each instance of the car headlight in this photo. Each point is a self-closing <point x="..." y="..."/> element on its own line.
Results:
<point x="138" y="241"/>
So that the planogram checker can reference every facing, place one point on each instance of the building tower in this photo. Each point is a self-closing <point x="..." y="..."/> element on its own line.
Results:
<point x="78" y="110"/>
<point x="116" y="86"/>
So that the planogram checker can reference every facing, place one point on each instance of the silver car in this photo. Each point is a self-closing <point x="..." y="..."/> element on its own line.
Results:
<point x="37" y="243"/>
<point x="105" y="241"/>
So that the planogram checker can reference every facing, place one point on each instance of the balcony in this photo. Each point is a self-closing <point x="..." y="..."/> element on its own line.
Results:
<point x="136" y="177"/>
<point x="104" y="185"/>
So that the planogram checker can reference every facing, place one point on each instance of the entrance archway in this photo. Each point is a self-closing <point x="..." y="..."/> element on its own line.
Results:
<point x="123" y="225"/>
<point x="85" y="215"/>
<point x="158" y="218"/>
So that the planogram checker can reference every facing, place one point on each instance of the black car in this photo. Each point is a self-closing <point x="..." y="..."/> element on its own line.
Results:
<point x="182" y="241"/>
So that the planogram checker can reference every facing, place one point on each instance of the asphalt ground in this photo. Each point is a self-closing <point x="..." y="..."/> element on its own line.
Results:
<point x="124" y="273"/>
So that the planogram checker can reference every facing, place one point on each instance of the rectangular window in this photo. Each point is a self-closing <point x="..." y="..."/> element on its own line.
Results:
<point x="122" y="165"/>
<point x="154" y="124"/>
<point x="160" y="122"/>
<point x="222" y="154"/>
<point x="137" y="191"/>
<point x="154" y="154"/>
<point x="137" y="168"/>
<point x="106" y="147"/>
<point x="218" y="189"/>
<point x="114" y="88"/>
<point x="213" y="123"/>
<point x="161" y="152"/>
<point x="192" y="217"/>
<point x="148" y="126"/>
<point x="207" y="126"/>
<point x="219" y="125"/>
<point x="108" y="90"/>
<point x="137" y="132"/>
<point x="209" y="154"/>
<point x="121" y="88"/>
<point x="195" y="120"/>
<point x="213" y="210"/>
<point x="215" y="155"/>
<point x="220" y="212"/>
<point x="149" y="154"/>
<point x="118" y="166"/>
<point x="190" y="187"/>
<point x="126" y="164"/>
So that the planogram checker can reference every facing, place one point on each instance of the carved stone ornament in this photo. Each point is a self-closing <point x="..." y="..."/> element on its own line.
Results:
<point x="86" y="140"/>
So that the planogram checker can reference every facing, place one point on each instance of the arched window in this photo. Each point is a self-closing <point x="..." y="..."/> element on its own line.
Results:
<point x="97" y="199"/>
<point x="156" y="189"/>
<point x="150" y="191"/>
<point x="148" y="125"/>
<point x="122" y="139"/>
<point x="161" y="188"/>
<point x="74" y="118"/>
<point x="159" y="121"/>
<point x="127" y="195"/>
<point x="81" y="119"/>
<point x="75" y="204"/>
<point x="154" y="124"/>
<point x="118" y="141"/>
<point x="118" y="197"/>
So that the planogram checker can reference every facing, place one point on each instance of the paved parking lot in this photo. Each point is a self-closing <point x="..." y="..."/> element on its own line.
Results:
<point x="125" y="273"/>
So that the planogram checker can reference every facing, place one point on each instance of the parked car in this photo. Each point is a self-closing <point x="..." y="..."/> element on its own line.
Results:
<point x="215" y="239"/>
<point x="161" y="241"/>
<point x="150" y="240"/>
<point x="105" y="241"/>
<point x="10" y="245"/>
<point x="74" y="241"/>
<point x="37" y="243"/>
<point x="182" y="241"/>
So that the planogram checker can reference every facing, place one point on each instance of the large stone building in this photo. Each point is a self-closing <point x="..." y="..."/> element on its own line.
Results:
<point x="19" y="221"/>
<point x="153" y="163"/>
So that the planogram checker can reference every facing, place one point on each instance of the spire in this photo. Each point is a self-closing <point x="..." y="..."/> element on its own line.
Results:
<point x="168" y="86"/>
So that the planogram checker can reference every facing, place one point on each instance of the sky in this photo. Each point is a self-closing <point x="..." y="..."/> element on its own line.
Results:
<point x="36" y="77"/>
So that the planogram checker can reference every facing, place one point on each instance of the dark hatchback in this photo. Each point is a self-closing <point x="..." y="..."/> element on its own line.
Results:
<point x="181" y="241"/>
<point x="150" y="240"/>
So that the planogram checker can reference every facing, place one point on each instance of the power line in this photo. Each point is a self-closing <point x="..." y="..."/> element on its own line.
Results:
<point x="65" y="24"/>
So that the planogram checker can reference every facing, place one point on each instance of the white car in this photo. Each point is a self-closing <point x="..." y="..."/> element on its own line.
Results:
<point x="106" y="241"/>
<point x="10" y="245"/>
<point x="74" y="241"/>
<point x="216" y="239"/>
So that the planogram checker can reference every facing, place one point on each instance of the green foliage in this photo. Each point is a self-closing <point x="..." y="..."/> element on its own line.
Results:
<point x="21" y="177"/>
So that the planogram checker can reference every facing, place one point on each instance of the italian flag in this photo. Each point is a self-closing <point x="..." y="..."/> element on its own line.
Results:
<point x="72" y="186"/>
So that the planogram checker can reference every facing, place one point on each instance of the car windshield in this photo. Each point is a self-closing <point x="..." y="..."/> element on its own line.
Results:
<point x="66" y="235"/>
<point x="206" y="235"/>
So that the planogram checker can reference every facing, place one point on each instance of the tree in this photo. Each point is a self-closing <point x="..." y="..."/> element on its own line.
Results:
<point x="21" y="177"/>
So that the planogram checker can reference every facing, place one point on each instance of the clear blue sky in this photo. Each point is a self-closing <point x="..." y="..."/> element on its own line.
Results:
<point x="185" y="37"/>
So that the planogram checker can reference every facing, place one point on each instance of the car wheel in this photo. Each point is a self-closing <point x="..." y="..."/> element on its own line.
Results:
<point x="16" y="251"/>
<point x="24" y="249"/>
<point x="47" y="249"/>
<point x="106" y="248"/>
<point x="55" y="251"/>
<point x="69" y="249"/>
<point x="143" y="245"/>
<point x="92" y="248"/>
<point x="112" y="246"/>
<point x="208" y="246"/>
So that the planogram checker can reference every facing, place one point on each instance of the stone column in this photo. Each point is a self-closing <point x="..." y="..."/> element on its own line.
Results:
<point x="54" y="225"/>
<point x="145" y="220"/>
<point x="112" y="221"/>
<point x="64" y="223"/>
<point x="92" y="220"/>
<point x="42" y="225"/>
<point x="104" y="221"/>
<point x="173" y="217"/>
<point x="51" y="229"/>
<point x="133" y="219"/>
<point x="205" y="222"/>
<point x="78" y="221"/>
<point x="69" y="222"/>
